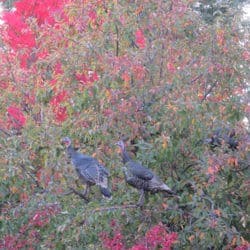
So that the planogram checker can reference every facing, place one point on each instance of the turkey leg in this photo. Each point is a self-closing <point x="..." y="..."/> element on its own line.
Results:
<point x="141" y="199"/>
<point x="86" y="191"/>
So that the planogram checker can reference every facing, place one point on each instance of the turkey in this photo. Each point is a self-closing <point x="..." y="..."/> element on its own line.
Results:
<point x="90" y="171"/>
<point x="141" y="177"/>
<point x="223" y="135"/>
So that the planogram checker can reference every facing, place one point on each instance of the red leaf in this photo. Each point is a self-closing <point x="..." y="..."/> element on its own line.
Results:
<point x="82" y="78"/>
<point x="3" y="85"/>
<point x="16" y="117"/>
<point x="92" y="15"/>
<point x="58" y="69"/>
<point x="61" y="114"/>
<point x="171" y="67"/>
<point x="60" y="97"/>
<point x="246" y="55"/>
<point x="86" y="78"/>
<point x="43" y="11"/>
<point x="140" y="39"/>
<point x="19" y="34"/>
<point x="126" y="77"/>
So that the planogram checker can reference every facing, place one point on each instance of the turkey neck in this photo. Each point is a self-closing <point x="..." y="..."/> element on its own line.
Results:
<point x="70" y="151"/>
<point x="125" y="156"/>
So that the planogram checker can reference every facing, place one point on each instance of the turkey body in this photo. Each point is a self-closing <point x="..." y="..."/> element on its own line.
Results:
<point x="141" y="177"/>
<point x="221" y="135"/>
<point x="89" y="170"/>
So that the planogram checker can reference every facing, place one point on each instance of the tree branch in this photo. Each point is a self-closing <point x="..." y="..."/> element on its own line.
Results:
<point x="122" y="207"/>
<point x="30" y="175"/>
<point x="208" y="91"/>
<point x="209" y="200"/>
<point x="77" y="193"/>
<point x="102" y="209"/>
<point x="117" y="41"/>
<point x="3" y="131"/>
<point x="196" y="78"/>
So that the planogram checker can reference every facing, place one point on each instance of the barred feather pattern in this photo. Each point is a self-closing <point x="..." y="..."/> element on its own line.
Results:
<point x="139" y="176"/>
<point x="89" y="170"/>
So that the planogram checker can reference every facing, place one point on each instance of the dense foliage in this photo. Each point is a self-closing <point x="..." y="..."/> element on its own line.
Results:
<point x="155" y="73"/>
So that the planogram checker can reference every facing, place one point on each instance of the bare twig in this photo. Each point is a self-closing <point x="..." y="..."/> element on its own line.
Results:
<point x="77" y="193"/>
<point x="30" y="175"/>
<point x="5" y="132"/>
<point x="208" y="92"/>
<point x="67" y="193"/>
<point x="102" y="209"/>
<point x="189" y="166"/>
<point x="196" y="78"/>
<point x="117" y="41"/>
<point x="122" y="207"/>
<point x="209" y="200"/>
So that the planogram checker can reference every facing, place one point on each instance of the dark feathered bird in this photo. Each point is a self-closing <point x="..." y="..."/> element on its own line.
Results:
<point x="223" y="135"/>
<point x="90" y="171"/>
<point x="141" y="177"/>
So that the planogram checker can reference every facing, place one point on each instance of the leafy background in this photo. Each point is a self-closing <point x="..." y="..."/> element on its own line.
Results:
<point x="163" y="75"/>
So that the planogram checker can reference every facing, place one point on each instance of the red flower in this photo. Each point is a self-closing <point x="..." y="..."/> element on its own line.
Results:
<point x="140" y="39"/>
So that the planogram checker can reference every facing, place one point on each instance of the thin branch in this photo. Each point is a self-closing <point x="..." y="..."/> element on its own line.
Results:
<point x="77" y="193"/>
<point x="117" y="41"/>
<point x="208" y="91"/>
<point x="30" y="175"/>
<point x="122" y="207"/>
<point x="189" y="166"/>
<point x="5" y="132"/>
<point x="161" y="64"/>
<point x="67" y="193"/>
<point x="209" y="200"/>
<point x="196" y="78"/>
<point x="102" y="209"/>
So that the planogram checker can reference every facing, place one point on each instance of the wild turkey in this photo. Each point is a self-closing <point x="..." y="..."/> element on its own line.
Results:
<point x="90" y="171"/>
<point x="141" y="177"/>
<point x="221" y="135"/>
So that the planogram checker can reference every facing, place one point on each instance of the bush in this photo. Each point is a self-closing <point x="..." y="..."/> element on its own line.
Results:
<point x="158" y="76"/>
